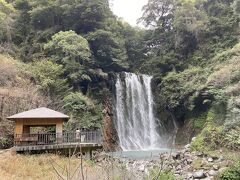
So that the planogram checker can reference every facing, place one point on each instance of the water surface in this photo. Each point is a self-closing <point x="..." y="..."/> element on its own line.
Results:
<point x="143" y="154"/>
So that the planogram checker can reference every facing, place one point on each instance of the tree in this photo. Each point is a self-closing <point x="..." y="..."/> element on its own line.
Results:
<point x="237" y="6"/>
<point x="158" y="14"/>
<point x="49" y="77"/>
<point x="72" y="51"/>
<point x="6" y="21"/>
<point x="84" y="16"/>
<point x="108" y="50"/>
<point x="82" y="110"/>
<point x="190" y="20"/>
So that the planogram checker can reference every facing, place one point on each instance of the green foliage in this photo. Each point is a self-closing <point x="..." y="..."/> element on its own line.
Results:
<point x="108" y="49"/>
<point x="83" y="112"/>
<point x="71" y="50"/>
<point x="157" y="174"/>
<point x="48" y="76"/>
<point x="232" y="138"/>
<point x="190" y="46"/>
<point x="231" y="173"/>
<point x="211" y="135"/>
<point x="6" y="21"/>
<point x="68" y="45"/>
<point x="198" y="120"/>
<point x="198" y="144"/>
<point x="237" y="7"/>
<point x="181" y="89"/>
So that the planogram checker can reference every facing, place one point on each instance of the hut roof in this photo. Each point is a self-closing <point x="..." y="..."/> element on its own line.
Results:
<point x="39" y="113"/>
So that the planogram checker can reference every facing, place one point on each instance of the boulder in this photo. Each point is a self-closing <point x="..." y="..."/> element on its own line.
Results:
<point x="199" y="174"/>
<point x="210" y="159"/>
<point x="212" y="173"/>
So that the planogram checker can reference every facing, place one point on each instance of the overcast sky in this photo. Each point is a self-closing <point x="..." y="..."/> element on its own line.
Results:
<point x="129" y="10"/>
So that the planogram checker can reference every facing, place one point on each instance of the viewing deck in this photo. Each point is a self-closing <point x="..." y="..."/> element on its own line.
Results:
<point x="87" y="140"/>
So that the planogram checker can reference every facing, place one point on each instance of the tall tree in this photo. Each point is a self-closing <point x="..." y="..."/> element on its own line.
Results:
<point x="71" y="50"/>
<point x="109" y="50"/>
<point x="6" y="21"/>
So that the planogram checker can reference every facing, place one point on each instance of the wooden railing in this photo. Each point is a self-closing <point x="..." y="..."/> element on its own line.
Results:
<point x="58" y="138"/>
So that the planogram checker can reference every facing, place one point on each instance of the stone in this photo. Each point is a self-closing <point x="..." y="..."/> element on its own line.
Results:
<point x="176" y="155"/>
<point x="221" y="158"/>
<point x="189" y="175"/>
<point x="215" y="167"/>
<point x="200" y="154"/>
<point x="189" y="161"/>
<point x="179" y="167"/>
<point x="178" y="172"/>
<point x="187" y="146"/>
<point x="210" y="159"/>
<point x="141" y="168"/>
<point x="194" y="138"/>
<point x="178" y="176"/>
<point x="212" y="173"/>
<point x="199" y="174"/>
<point x="186" y="168"/>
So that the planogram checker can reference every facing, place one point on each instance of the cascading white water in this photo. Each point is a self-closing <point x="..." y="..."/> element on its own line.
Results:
<point x="135" y="121"/>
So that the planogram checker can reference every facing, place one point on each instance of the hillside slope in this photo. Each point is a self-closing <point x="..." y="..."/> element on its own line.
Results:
<point x="17" y="93"/>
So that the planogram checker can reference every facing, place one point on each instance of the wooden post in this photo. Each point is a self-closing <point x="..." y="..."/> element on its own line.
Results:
<point x="59" y="131"/>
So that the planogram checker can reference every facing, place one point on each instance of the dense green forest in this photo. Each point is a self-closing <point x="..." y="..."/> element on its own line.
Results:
<point x="64" y="53"/>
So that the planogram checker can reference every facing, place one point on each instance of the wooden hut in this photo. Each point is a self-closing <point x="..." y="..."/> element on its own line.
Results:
<point x="40" y="117"/>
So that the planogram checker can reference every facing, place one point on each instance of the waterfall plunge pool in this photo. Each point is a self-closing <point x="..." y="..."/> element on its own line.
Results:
<point x="141" y="154"/>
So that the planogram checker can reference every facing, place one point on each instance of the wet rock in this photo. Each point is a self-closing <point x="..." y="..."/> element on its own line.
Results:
<point x="199" y="174"/>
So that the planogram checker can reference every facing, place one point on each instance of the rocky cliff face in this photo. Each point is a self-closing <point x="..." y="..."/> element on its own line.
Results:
<point x="109" y="132"/>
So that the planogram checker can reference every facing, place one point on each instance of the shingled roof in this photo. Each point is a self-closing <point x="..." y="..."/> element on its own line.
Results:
<point x="39" y="113"/>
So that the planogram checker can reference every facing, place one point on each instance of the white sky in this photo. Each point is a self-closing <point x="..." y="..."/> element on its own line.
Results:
<point x="129" y="10"/>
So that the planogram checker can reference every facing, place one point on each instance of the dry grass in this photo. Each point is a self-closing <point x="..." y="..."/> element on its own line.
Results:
<point x="34" y="167"/>
<point x="27" y="167"/>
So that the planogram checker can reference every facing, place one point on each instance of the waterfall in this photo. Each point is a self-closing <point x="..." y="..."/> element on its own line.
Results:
<point x="136" y="123"/>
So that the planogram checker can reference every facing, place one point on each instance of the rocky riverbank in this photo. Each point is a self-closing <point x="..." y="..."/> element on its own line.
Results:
<point x="183" y="164"/>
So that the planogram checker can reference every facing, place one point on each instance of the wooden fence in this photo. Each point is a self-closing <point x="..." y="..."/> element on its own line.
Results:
<point x="58" y="138"/>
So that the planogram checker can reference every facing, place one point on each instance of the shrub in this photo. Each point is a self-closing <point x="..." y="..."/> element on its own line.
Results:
<point x="232" y="173"/>
<point x="155" y="173"/>
<point x="83" y="112"/>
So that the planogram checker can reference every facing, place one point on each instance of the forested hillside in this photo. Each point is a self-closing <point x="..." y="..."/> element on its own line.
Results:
<point x="64" y="54"/>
